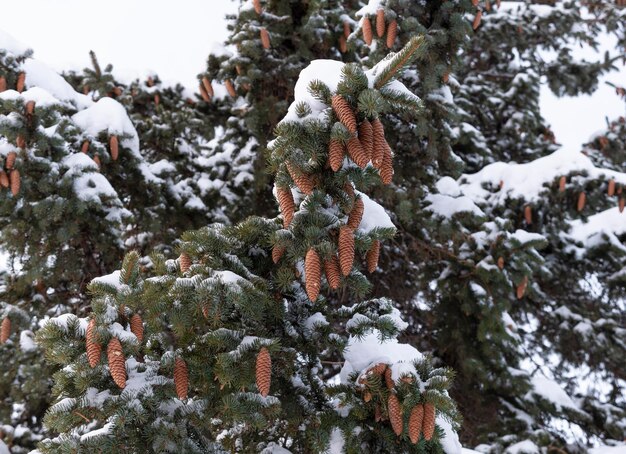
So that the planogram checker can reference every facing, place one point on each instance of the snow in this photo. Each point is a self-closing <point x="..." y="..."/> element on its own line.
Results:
<point x="551" y="391"/>
<point x="374" y="215"/>
<point x="447" y="207"/>
<point x="10" y="44"/>
<point x="619" y="449"/>
<point x="4" y="449"/>
<point x="523" y="447"/>
<point x="370" y="9"/>
<point x="27" y="341"/>
<point x="40" y="75"/>
<point x="337" y="442"/>
<point x="450" y="441"/>
<point x="105" y="430"/>
<point x="113" y="279"/>
<point x="608" y="223"/>
<point x="227" y="277"/>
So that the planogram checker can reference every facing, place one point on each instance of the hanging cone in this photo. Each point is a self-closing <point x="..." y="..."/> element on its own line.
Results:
<point x="487" y="5"/>
<point x="136" y="327"/>
<point x="388" y="379"/>
<point x="205" y="309"/>
<point x="302" y="180"/>
<point x="5" y="330"/>
<point x="415" y="423"/>
<point x="85" y="146"/>
<point x="263" y="372"/>
<point x="157" y="99"/>
<point x="203" y="93"/>
<point x="336" y="153"/>
<point x="344" y="112"/>
<point x="477" y="19"/>
<point x="346" y="249"/>
<point x="15" y="181"/>
<point x="349" y="190"/>
<point x="428" y="426"/>
<point x="562" y="181"/>
<point x="181" y="378"/>
<point x="257" y="6"/>
<point x="378" y="143"/>
<point x="446" y="77"/>
<point x="500" y="263"/>
<point x="30" y="107"/>
<point x="265" y="38"/>
<point x="10" y="161"/>
<point x="94" y="348"/>
<point x="20" y="141"/>
<point x="277" y="253"/>
<point x="4" y="179"/>
<point x="386" y="170"/>
<point x="230" y="88"/>
<point x="96" y="159"/>
<point x="366" y="136"/>
<point x="392" y="32"/>
<point x="380" y="22"/>
<point x="286" y="204"/>
<point x="367" y="396"/>
<point x="528" y="214"/>
<point x="395" y="414"/>
<point x="346" y="29"/>
<point x="117" y="91"/>
<point x="355" y="216"/>
<point x="521" y="288"/>
<point x="620" y="204"/>
<point x="333" y="273"/>
<point x="117" y="362"/>
<point x="184" y="261"/>
<point x="343" y="45"/>
<point x="357" y="153"/>
<point x="372" y="256"/>
<point x="475" y="2"/>
<point x="3" y="84"/>
<point x="21" y="81"/>
<point x="611" y="190"/>
<point x="379" y="369"/>
<point x="114" y="147"/>
<point x="366" y="27"/>
<point x="208" y="86"/>
<point x="582" y="199"/>
<point x="313" y="274"/>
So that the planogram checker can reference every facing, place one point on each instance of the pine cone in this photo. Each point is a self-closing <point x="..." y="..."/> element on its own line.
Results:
<point x="395" y="414"/>
<point x="500" y="263"/>
<point x="357" y="153"/>
<point x="286" y="204"/>
<point x="184" y="261"/>
<point x="117" y="362"/>
<point x="94" y="348"/>
<point x="10" y="161"/>
<point x="343" y="45"/>
<point x="157" y="99"/>
<point x="203" y="93"/>
<point x="521" y="288"/>
<point x="15" y="181"/>
<point x="379" y="144"/>
<point x="181" y="378"/>
<point x="349" y="189"/>
<point x="4" y="179"/>
<point x="263" y="372"/>
<point x="277" y="253"/>
<point x="562" y="182"/>
<point x="208" y="86"/>
<point x="5" y="330"/>
<point x="392" y="32"/>
<point x="378" y="414"/>
<point x="313" y="274"/>
<point x="230" y="88"/>
<point x="85" y="146"/>
<point x="20" y="141"/>
<point x="355" y="216"/>
<point x="21" y="81"/>
<point x="265" y="38"/>
<point x="620" y="204"/>
<point x="257" y="6"/>
<point x="301" y="179"/>
<point x="372" y="256"/>
<point x="114" y="146"/>
<point x="366" y="136"/>
<point x="386" y="170"/>
<point x="205" y="309"/>
<point x="3" y="84"/>
<point x="96" y="159"/>
<point x="415" y="423"/>
<point x="346" y="29"/>
<point x="428" y="426"/>
<point x="30" y="108"/>
<point x="582" y="199"/>
<point x="477" y="19"/>
<point x="389" y="379"/>
<point x="336" y="153"/>
<point x="333" y="273"/>
<point x="528" y="214"/>
<point x="367" y="31"/>
<point x="611" y="189"/>
<point x="136" y="327"/>
<point x="380" y="22"/>
<point x="346" y="249"/>
<point x="344" y="112"/>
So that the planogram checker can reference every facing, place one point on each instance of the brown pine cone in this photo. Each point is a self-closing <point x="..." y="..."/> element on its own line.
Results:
<point x="521" y="288"/>
<point x="343" y="45"/>
<point x="277" y="253"/>
<point x="349" y="189"/>
<point x="357" y="153"/>
<point x="301" y="179"/>
<point x="265" y="38"/>
<point x="528" y="214"/>
<point x="611" y="189"/>
<point x="389" y="379"/>
<point x="157" y="99"/>
<point x="5" y="330"/>
<point x="562" y="182"/>
<point x="20" y="141"/>
<point x="4" y="179"/>
<point x="286" y="204"/>
<point x="379" y="369"/>
<point x="477" y="19"/>
<point x="367" y="31"/>
<point x="346" y="249"/>
<point x="386" y="170"/>
<point x="428" y="426"/>
<point x="263" y="371"/>
<point x="114" y="146"/>
<point x="415" y="423"/>
<point x="10" y="160"/>
<point x="94" y="348"/>
<point x="136" y="327"/>
<point x="85" y="147"/>
<point x="257" y="6"/>
<point x="313" y="274"/>
<point x="380" y="22"/>
<point x="366" y="136"/>
<point x="344" y="112"/>
<point x="15" y="181"/>
<point x="379" y="144"/>
<point x="620" y="204"/>
<point x="184" y="261"/>
<point x="96" y="159"/>
<point x="346" y="29"/>
<point x="333" y="273"/>
<point x="582" y="199"/>
<point x="500" y="263"/>
<point x="208" y="86"/>
<point x="203" y="93"/>
<point x="117" y="362"/>
<point x="230" y="88"/>
<point x="30" y="107"/>
<point x="378" y="414"/>
<point x="392" y="32"/>
<point x="181" y="378"/>
<point x="3" y="84"/>
<point x="355" y="216"/>
<point x="395" y="414"/>
<point x="336" y="153"/>
<point x="21" y="81"/>
<point x="372" y="256"/>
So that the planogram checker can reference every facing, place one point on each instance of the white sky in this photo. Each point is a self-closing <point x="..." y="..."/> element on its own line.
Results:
<point x="173" y="38"/>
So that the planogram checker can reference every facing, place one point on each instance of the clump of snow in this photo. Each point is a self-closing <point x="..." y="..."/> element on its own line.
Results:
<point x="523" y="447"/>
<point x="370" y="8"/>
<point x="618" y="449"/>
<point x="374" y="215"/>
<point x="113" y="280"/>
<point x="551" y="391"/>
<point x="40" y="75"/>
<point x="27" y="341"/>
<point x="605" y="224"/>
<point x="450" y="441"/>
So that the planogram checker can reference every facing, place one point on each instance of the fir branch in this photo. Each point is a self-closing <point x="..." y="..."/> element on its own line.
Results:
<point x="398" y="61"/>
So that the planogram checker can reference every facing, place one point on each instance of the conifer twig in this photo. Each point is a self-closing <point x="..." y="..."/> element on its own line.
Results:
<point x="398" y="61"/>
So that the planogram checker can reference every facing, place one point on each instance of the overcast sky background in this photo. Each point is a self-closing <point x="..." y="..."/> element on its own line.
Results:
<point x="173" y="39"/>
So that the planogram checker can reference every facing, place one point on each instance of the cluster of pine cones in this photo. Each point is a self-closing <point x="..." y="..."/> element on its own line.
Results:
<point x="381" y="27"/>
<point x="9" y="175"/>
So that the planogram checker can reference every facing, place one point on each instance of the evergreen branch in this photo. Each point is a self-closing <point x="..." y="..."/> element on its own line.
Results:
<point x="94" y="62"/>
<point x="398" y="61"/>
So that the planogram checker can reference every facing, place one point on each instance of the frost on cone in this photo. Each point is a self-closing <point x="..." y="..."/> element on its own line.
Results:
<point x="366" y="27"/>
<point x="500" y="263"/>
<point x="392" y="32"/>
<point x="30" y="107"/>
<point x="344" y="112"/>
<point x="562" y="184"/>
<point x="230" y="88"/>
<point x="611" y="189"/>
<point x="10" y="161"/>
<point x="582" y="199"/>
<point x="354" y="219"/>
<point x="5" y="330"/>
<point x="521" y="288"/>
<point x="94" y="348"/>
<point x="366" y="136"/>
<point x="184" y="261"/>
<point x="333" y="273"/>
<point x="379" y="144"/>
<point x="263" y="372"/>
<point x="277" y="253"/>
<point x="621" y="204"/>
<point x="415" y="423"/>
<point x="346" y="249"/>
<point x="313" y="274"/>
<point x="117" y="362"/>
<point x="429" y="421"/>
<point x="302" y="180"/>
<point x="372" y="256"/>
<point x="3" y="84"/>
<point x="380" y="22"/>
<point x="136" y="327"/>
<point x="85" y="146"/>
<point x="395" y="414"/>
<point x="386" y="169"/>
<point x="15" y="181"/>
<point x="4" y="179"/>
<point x="114" y="146"/>
<point x="286" y="204"/>
<point x="265" y="38"/>
<point x="21" y="80"/>
<point x="206" y="83"/>
<point x="257" y="6"/>
<point x="477" y="19"/>
<point x="336" y="154"/>
<point x="181" y="378"/>
<point x="528" y="214"/>
<point x="357" y="152"/>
